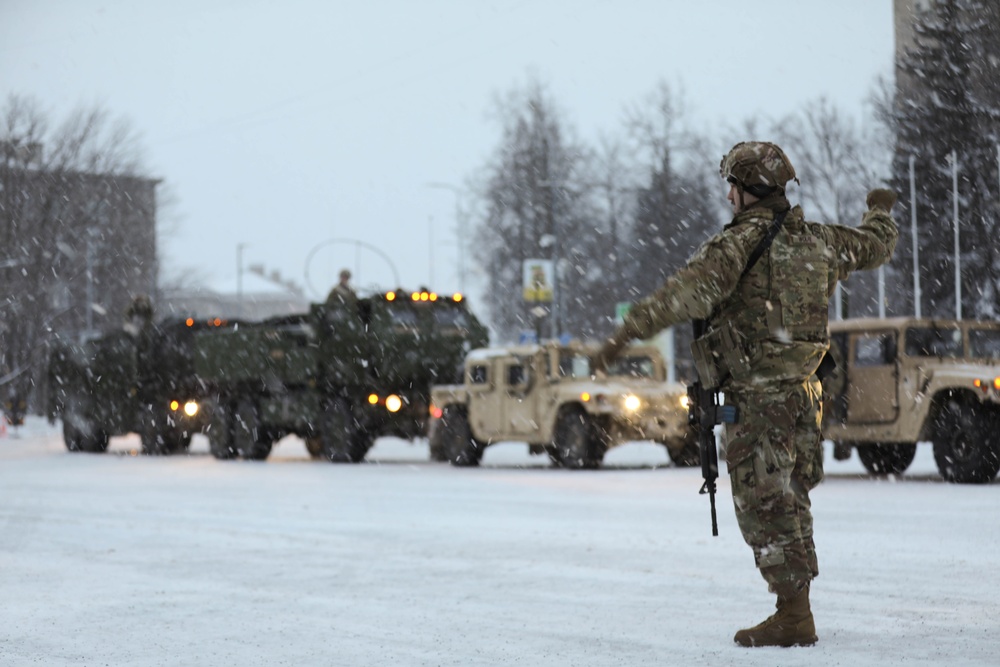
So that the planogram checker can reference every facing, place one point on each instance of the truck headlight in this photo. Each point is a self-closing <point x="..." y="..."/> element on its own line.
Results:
<point x="632" y="402"/>
<point x="191" y="408"/>
<point x="393" y="403"/>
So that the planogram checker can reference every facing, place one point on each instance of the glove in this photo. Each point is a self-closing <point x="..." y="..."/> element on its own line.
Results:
<point x="609" y="351"/>
<point x="879" y="198"/>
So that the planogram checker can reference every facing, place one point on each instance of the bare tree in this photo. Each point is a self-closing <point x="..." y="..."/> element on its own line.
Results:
<point x="77" y="239"/>
<point x="535" y="206"/>
<point x="837" y="161"/>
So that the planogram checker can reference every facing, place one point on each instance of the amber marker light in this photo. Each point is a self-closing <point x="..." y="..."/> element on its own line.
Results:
<point x="433" y="296"/>
<point x="373" y="399"/>
<point x="390" y="296"/>
<point x="415" y="296"/>
<point x="585" y="396"/>
<point x="174" y="405"/>
<point x="189" y="321"/>
<point x="456" y="297"/>
<point x="996" y="383"/>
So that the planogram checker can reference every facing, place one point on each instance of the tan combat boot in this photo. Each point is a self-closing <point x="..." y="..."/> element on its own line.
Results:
<point x="791" y="625"/>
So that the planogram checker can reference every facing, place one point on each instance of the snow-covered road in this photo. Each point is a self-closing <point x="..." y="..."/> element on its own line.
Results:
<point x="120" y="559"/>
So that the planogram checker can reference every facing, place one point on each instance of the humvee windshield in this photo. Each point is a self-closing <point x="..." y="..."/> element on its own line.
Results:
<point x="933" y="342"/>
<point x="633" y="366"/>
<point x="574" y="365"/>
<point x="984" y="343"/>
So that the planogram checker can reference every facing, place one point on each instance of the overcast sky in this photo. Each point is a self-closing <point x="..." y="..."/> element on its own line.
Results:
<point x="283" y="125"/>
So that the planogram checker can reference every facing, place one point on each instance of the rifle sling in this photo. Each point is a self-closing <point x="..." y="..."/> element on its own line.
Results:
<point x="758" y="252"/>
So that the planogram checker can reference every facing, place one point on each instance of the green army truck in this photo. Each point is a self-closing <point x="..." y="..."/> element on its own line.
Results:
<point x="128" y="381"/>
<point x="549" y="397"/>
<point x="903" y="381"/>
<point x="338" y="376"/>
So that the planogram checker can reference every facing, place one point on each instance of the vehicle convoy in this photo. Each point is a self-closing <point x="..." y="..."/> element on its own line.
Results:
<point x="338" y="376"/>
<point x="132" y="380"/>
<point x="548" y="396"/>
<point x="904" y="381"/>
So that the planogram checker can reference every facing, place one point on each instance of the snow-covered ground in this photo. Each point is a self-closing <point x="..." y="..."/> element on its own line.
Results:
<point x="121" y="559"/>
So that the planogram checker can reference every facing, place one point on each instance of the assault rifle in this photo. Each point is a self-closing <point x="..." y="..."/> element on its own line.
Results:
<point x="704" y="412"/>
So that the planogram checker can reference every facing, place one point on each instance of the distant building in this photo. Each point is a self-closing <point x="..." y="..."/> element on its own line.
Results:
<point x="76" y="246"/>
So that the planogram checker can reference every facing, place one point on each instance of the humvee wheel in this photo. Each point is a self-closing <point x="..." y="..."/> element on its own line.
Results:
<point x="315" y="447"/>
<point x="685" y="452"/>
<point x="339" y="437"/>
<point x="575" y="444"/>
<point x="249" y="439"/>
<point x="966" y="443"/>
<point x="220" y="433"/>
<point x="84" y="437"/>
<point x="886" y="459"/>
<point x="456" y="439"/>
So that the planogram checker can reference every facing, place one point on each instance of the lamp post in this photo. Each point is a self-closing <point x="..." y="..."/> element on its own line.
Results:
<point x="459" y="227"/>
<point x="239" y="278"/>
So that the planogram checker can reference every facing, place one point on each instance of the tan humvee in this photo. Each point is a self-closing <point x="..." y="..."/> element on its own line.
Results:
<point x="547" y="395"/>
<point x="902" y="381"/>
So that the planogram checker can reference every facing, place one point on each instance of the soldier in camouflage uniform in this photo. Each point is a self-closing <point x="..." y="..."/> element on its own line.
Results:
<point x="766" y="333"/>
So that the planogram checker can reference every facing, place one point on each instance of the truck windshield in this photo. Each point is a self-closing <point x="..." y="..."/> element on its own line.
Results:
<point x="450" y="317"/>
<point x="984" y="343"/>
<point x="933" y="342"/>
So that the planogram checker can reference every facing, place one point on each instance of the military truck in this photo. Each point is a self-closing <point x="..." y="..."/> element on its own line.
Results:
<point x="904" y="381"/>
<point x="338" y="376"/>
<point x="131" y="380"/>
<point x="549" y="396"/>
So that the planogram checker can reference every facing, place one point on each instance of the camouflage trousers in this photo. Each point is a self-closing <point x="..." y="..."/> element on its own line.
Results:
<point x="775" y="457"/>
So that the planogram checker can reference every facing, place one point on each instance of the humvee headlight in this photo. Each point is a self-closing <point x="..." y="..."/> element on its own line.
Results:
<point x="685" y="401"/>
<point x="393" y="403"/>
<point x="191" y="408"/>
<point x="174" y="405"/>
<point x="632" y="402"/>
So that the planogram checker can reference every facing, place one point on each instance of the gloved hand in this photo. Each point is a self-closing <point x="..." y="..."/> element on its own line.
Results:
<point x="609" y="351"/>
<point x="880" y="198"/>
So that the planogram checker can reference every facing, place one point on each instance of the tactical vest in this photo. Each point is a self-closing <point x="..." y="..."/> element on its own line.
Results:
<point x="773" y="327"/>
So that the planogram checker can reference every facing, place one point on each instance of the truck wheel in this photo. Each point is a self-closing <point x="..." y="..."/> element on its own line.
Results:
<point x="159" y="438"/>
<point x="966" y="443"/>
<point x="83" y="436"/>
<point x="249" y="438"/>
<point x="456" y="439"/>
<point x="220" y="433"/>
<point x="315" y="447"/>
<point x="339" y="436"/>
<point x="575" y="444"/>
<point x="886" y="459"/>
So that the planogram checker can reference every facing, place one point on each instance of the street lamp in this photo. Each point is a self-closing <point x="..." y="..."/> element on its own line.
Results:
<point x="239" y="278"/>
<point x="459" y="227"/>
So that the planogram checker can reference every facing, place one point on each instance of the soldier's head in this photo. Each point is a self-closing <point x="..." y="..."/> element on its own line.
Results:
<point x="345" y="276"/>
<point x="755" y="170"/>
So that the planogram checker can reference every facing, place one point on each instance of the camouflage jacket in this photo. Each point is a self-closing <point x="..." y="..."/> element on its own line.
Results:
<point x="773" y="322"/>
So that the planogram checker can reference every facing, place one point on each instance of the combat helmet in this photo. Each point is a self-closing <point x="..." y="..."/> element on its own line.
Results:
<point x="757" y="167"/>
